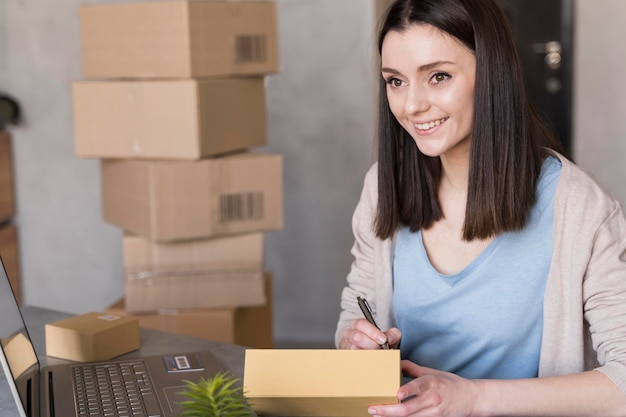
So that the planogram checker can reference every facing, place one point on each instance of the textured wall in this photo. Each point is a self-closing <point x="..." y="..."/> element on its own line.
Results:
<point x="600" y="92"/>
<point x="320" y="109"/>
<point x="321" y="118"/>
<point x="70" y="259"/>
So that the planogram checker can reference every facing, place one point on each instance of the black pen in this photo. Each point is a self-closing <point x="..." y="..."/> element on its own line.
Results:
<point x="367" y="312"/>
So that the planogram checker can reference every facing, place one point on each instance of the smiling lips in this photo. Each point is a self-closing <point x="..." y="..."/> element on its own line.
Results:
<point x="429" y="125"/>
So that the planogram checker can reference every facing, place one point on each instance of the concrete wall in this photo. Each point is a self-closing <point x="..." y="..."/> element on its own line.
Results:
<point x="321" y="118"/>
<point x="600" y="92"/>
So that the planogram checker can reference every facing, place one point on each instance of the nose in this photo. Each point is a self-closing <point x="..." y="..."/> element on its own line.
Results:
<point x="416" y="100"/>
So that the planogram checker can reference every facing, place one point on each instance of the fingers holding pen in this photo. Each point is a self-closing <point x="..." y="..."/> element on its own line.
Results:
<point x="363" y="335"/>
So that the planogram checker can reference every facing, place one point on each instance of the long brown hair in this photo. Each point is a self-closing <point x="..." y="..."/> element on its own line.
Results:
<point x="509" y="140"/>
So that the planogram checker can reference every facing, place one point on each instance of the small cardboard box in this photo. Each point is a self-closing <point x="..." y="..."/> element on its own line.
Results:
<point x="179" y="39"/>
<point x="92" y="337"/>
<point x="10" y="258"/>
<point x="150" y="293"/>
<point x="177" y="200"/>
<point x="320" y="382"/>
<point x="245" y="326"/>
<point x="168" y="119"/>
<point x="144" y="256"/>
<point x="7" y="200"/>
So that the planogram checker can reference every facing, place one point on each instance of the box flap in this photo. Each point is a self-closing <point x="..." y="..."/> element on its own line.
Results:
<point x="92" y="323"/>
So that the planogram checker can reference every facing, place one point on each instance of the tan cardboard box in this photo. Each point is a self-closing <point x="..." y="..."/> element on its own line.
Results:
<point x="10" y="258"/>
<point x="245" y="326"/>
<point x="177" y="200"/>
<point x="144" y="256"/>
<point x="168" y="119"/>
<point x="92" y="336"/>
<point x="179" y="39"/>
<point x="320" y="382"/>
<point x="7" y="201"/>
<point x="149" y="293"/>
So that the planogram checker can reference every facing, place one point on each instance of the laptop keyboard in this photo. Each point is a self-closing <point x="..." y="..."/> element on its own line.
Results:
<point x="114" y="390"/>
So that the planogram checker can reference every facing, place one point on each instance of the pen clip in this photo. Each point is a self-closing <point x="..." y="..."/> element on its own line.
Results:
<point x="367" y="311"/>
<point x="369" y="316"/>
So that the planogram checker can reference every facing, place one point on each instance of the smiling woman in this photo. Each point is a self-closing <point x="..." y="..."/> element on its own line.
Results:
<point x="430" y="88"/>
<point x="474" y="234"/>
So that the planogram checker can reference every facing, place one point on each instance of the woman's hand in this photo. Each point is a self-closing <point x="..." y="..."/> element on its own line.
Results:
<point x="432" y="393"/>
<point x="363" y="335"/>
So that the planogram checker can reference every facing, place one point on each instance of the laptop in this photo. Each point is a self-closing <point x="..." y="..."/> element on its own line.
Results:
<point x="146" y="386"/>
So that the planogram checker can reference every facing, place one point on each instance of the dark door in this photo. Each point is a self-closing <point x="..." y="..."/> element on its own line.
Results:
<point x="543" y="33"/>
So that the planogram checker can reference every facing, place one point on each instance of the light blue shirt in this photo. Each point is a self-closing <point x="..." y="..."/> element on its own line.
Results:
<point x="485" y="321"/>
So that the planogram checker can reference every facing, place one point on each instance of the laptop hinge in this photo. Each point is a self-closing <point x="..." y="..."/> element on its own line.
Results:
<point x="50" y="395"/>
<point x="29" y="397"/>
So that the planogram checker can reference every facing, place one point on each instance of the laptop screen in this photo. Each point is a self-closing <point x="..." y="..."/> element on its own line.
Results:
<point x="19" y="360"/>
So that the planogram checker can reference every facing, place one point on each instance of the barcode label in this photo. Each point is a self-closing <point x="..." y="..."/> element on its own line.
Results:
<point x="250" y="48"/>
<point x="238" y="207"/>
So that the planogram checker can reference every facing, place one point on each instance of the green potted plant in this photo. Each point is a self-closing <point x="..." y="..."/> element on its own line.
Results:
<point x="219" y="396"/>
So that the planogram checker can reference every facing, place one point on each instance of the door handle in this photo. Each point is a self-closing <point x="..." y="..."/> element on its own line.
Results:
<point x="552" y="51"/>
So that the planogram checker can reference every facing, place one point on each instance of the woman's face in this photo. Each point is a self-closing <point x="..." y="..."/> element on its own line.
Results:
<point x="430" y="87"/>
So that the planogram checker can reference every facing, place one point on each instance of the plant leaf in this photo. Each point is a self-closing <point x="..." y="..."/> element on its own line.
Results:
<point x="218" y="396"/>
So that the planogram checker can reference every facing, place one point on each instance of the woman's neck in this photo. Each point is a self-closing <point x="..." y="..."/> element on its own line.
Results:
<point x="455" y="172"/>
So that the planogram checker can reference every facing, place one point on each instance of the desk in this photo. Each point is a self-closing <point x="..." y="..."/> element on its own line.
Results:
<point x="153" y="342"/>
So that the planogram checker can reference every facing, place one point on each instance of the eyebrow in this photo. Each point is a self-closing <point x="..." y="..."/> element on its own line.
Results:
<point x="422" y="68"/>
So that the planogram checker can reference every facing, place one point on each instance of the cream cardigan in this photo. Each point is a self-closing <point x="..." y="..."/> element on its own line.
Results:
<point x="585" y="298"/>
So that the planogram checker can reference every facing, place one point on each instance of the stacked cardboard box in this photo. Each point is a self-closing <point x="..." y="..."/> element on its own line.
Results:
<point x="173" y="103"/>
<point x="8" y="229"/>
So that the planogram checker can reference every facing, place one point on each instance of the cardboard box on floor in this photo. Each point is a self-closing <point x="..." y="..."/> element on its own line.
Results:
<point x="7" y="200"/>
<point x="9" y="251"/>
<point x="177" y="200"/>
<point x="168" y="119"/>
<point x="179" y="39"/>
<point x="92" y="336"/>
<point x="245" y="326"/>
<point x="320" y="382"/>
<point x="144" y="256"/>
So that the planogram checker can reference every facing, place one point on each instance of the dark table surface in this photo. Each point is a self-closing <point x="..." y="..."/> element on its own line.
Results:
<point x="153" y="342"/>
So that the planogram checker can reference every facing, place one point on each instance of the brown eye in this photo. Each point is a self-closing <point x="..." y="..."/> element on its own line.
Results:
<point x="394" y="82"/>
<point x="440" y="77"/>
